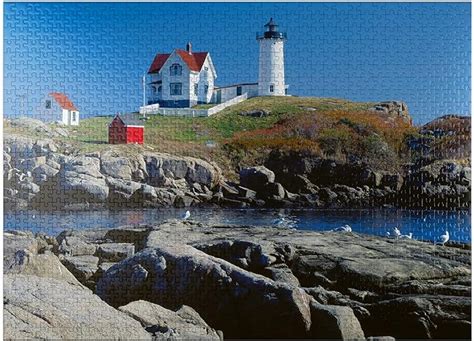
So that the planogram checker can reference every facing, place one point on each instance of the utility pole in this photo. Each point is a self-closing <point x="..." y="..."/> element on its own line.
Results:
<point x="144" y="92"/>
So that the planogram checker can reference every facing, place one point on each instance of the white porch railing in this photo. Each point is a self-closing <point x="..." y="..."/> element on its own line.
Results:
<point x="154" y="109"/>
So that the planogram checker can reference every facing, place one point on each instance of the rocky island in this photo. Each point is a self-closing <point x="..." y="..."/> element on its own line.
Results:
<point x="183" y="279"/>
<point x="285" y="152"/>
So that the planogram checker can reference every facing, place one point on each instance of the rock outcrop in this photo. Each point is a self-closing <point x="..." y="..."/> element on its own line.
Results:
<point x="261" y="282"/>
<point x="37" y="175"/>
<point x="46" y="308"/>
<point x="225" y="295"/>
<point x="185" y="323"/>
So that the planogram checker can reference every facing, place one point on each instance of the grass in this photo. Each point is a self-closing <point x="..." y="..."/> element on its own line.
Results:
<point x="203" y="106"/>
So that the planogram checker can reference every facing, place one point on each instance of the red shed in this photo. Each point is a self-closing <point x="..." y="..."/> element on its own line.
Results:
<point x="126" y="128"/>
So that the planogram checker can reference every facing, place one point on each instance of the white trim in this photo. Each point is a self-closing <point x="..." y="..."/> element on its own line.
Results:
<point x="135" y="126"/>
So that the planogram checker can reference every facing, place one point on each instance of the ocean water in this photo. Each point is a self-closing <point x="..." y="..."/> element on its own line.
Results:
<point x="425" y="225"/>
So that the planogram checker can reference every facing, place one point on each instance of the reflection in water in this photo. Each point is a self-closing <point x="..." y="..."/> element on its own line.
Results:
<point x="425" y="225"/>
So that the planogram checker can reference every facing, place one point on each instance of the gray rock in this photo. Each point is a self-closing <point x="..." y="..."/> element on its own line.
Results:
<point x="115" y="252"/>
<point x="81" y="181"/>
<point x="20" y="148"/>
<point x="281" y="273"/>
<point x="146" y="194"/>
<point x="273" y="190"/>
<point x="43" y="172"/>
<point x="46" y="308"/>
<point x="182" y="324"/>
<point x="270" y="309"/>
<point x="114" y="166"/>
<point x="42" y="265"/>
<point x="45" y="147"/>
<point x="82" y="267"/>
<point x="162" y="168"/>
<point x="334" y="322"/>
<point x="14" y="241"/>
<point x="75" y="246"/>
<point x="256" y="177"/>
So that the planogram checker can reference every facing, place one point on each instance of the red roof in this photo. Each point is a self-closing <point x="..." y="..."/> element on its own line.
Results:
<point x="63" y="101"/>
<point x="193" y="60"/>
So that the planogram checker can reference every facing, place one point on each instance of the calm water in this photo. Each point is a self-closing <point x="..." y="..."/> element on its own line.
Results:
<point x="425" y="225"/>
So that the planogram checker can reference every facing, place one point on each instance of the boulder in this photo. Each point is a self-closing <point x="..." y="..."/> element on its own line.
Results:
<point x="74" y="245"/>
<point x="14" y="241"/>
<point x="29" y="164"/>
<point x="185" y="323"/>
<point x="240" y="303"/>
<point x="256" y="177"/>
<point x="162" y="168"/>
<point x="334" y="322"/>
<point x="82" y="267"/>
<point x="116" y="167"/>
<point x="273" y="190"/>
<point x="145" y="195"/>
<point x="281" y="273"/>
<point x="19" y="147"/>
<point x="43" y="172"/>
<point x="393" y="181"/>
<point x="45" y="147"/>
<point x="115" y="252"/>
<point x="47" y="308"/>
<point x="42" y="265"/>
<point x="80" y="181"/>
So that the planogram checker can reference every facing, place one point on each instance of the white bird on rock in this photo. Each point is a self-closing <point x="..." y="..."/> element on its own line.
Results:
<point x="407" y="236"/>
<point x="395" y="233"/>
<point x="186" y="215"/>
<point x="443" y="239"/>
<point x="344" y="228"/>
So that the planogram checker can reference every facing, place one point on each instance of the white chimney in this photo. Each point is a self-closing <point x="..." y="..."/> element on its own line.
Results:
<point x="189" y="48"/>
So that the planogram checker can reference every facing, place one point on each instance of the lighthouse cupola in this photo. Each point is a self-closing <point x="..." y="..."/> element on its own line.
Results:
<point x="271" y="66"/>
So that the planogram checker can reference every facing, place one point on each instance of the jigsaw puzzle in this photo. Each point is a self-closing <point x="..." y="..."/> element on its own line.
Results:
<point x="205" y="171"/>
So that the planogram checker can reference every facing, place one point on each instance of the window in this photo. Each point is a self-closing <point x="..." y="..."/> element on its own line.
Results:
<point x="159" y="88"/>
<point x="206" y="68"/>
<point x="176" y="89"/>
<point x="239" y="90"/>
<point x="271" y="88"/>
<point x="176" y="70"/>
<point x="73" y="116"/>
<point x="48" y="104"/>
<point x="206" y="89"/>
<point x="196" y="88"/>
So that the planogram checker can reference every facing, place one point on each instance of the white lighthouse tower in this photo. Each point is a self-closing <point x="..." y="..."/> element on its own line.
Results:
<point x="271" y="67"/>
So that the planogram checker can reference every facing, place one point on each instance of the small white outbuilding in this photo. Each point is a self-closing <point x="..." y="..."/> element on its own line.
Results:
<point x="58" y="108"/>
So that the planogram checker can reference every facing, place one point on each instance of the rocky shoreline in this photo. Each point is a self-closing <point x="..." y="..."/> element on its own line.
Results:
<point x="38" y="176"/>
<point x="186" y="280"/>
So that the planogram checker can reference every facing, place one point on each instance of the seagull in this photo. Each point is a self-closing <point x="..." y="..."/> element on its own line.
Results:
<point x="394" y="234"/>
<point x="186" y="215"/>
<point x="443" y="239"/>
<point x="344" y="228"/>
<point x="285" y="222"/>
<point x="406" y="236"/>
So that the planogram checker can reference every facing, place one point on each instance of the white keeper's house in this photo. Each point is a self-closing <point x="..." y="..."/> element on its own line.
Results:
<point x="184" y="78"/>
<point x="56" y="107"/>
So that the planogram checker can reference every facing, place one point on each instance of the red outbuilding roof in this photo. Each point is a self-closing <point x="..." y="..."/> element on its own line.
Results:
<point x="63" y="101"/>
<point x="194" y="60"/>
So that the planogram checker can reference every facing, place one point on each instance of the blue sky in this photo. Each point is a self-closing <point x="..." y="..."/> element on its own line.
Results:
<point x="97" y="52"/>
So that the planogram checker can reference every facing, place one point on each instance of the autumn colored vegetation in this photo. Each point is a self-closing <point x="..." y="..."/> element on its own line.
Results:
<point x="344" y="135"/>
